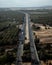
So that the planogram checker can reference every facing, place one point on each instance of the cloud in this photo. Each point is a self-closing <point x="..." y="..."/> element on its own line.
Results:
<point x="24" y="3"/>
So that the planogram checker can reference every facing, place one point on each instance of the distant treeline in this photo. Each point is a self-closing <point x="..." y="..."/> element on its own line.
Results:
<point x="11" y="16"/>
<point x="42" y="18"/>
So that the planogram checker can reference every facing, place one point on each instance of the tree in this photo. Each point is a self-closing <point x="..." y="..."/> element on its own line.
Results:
<point x="10" y="58"/>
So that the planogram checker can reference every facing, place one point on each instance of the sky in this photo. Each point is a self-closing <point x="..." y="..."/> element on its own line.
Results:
<point x="25" y="3"/>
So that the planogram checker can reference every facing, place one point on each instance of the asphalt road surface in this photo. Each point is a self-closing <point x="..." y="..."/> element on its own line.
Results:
<point x="26" y="31"/>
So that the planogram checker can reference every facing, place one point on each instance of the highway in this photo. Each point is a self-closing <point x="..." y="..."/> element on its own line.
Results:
<point x="27" y="32"/>
<point x="34" y="55"/>
<point x="20" y="46"/>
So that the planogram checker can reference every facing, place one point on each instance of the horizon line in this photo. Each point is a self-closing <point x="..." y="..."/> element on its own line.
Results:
<point x="26" y="7"/>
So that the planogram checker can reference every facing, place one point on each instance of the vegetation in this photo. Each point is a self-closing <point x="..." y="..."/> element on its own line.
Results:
<point x="44" y="51"/>
<point x="9" y="21"/>
<point x="11" y="16"/>
<point x="9" y="36"/>
<point x="42" y="18"/>
<point x="26" y="55"/>
<point x="8" y="57"/>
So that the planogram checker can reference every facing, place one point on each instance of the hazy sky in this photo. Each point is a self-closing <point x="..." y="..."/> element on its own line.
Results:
<point x="24" y="3"/>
